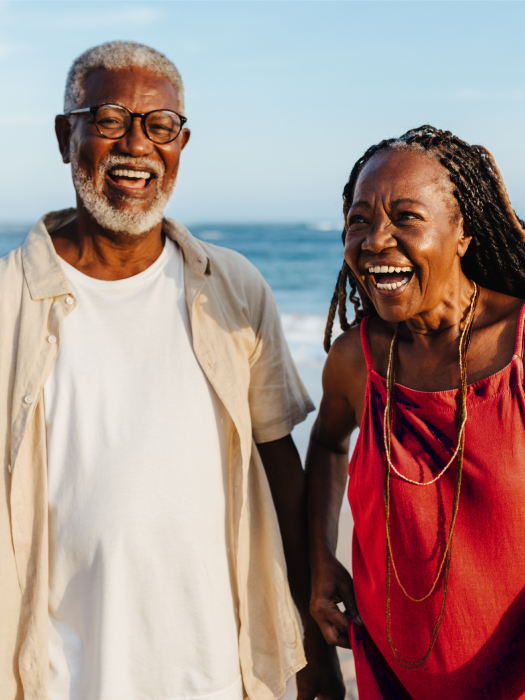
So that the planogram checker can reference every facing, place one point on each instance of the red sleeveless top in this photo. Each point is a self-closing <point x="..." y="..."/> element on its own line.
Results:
<point x="480" y="649"/>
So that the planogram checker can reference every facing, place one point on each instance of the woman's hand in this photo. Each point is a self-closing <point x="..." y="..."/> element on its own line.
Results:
<point x="321" y="678"/>
<point x="331" y="585"/>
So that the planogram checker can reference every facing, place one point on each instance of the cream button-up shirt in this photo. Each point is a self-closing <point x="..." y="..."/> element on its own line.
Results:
<point x="239" y="343"/>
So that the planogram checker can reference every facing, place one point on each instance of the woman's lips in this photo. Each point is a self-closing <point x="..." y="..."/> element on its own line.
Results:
<point x="390" y="279"/>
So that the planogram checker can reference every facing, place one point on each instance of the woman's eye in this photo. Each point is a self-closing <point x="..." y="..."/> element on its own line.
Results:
<point x="356" y="219"/>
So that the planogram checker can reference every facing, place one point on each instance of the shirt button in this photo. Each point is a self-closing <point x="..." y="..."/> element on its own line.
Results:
<point x="10" y="468"/>
<point x="70" y="300"/>
<point x="51" y="339"/>
<point x="28" y="398"/>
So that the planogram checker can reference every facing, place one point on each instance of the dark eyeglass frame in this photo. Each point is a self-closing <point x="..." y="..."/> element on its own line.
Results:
<point x="134" y="115"/>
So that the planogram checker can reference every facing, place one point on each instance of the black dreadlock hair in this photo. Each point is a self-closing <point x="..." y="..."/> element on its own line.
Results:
<point x="496" y="255"/>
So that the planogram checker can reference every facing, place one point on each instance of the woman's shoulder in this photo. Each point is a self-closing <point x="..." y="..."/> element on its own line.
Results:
<point x="347" y="347"/>
<point x="498" y="308"/>
<point x="346" y="361"/>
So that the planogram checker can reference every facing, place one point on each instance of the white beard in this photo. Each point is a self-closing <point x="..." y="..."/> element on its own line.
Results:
<point x="134" y="223"/>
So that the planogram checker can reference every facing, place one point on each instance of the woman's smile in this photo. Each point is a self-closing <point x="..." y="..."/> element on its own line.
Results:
<point x="390" y="280"/>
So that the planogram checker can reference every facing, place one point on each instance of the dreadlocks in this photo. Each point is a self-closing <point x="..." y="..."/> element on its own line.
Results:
<point x="496" y="255"/>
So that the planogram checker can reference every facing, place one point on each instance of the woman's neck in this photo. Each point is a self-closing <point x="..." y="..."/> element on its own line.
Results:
<point x="443" y="316"/>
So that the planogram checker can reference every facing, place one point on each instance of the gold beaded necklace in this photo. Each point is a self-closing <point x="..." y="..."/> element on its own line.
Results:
<point x="464" y="343"/>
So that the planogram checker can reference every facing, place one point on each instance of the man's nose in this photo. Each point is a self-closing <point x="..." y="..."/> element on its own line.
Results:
<point x="380" y="236"/>
<point x="135" y="143"/>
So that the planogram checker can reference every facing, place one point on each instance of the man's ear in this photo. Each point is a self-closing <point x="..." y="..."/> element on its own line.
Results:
<point x="63" y="132"/>
<point x="184" y="138"/>
<point x="464" y="237"/>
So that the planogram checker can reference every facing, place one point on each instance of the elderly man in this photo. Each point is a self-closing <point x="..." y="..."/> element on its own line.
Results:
<point x="147" y="398"/>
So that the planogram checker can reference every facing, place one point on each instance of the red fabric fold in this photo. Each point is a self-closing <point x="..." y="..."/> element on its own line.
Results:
<point x="375" y="678"/>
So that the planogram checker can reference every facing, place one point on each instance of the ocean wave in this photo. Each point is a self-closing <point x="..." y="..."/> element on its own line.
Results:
<point x="325" y="226"/>
<point x="305" y="334"/>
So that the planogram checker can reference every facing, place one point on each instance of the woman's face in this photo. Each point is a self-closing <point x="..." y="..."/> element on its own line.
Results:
<point x="404" y="234"/>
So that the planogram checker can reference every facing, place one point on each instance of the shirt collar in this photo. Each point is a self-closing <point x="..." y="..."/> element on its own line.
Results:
<point x="44" y="274"/>
<point x="194" y="253"/>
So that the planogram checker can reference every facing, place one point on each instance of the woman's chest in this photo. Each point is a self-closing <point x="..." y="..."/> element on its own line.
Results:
<point x="424" y="441"/>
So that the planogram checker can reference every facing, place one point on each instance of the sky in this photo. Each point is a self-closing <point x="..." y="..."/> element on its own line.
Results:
<point x="281" y="97"/>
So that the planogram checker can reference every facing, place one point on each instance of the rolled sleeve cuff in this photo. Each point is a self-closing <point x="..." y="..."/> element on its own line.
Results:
<point x="280" y="428"/>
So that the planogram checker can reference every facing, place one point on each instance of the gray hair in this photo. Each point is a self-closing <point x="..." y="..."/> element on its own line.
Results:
<point x="115" y="55"/>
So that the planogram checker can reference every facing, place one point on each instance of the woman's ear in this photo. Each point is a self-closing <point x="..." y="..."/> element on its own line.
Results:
<point x="464" y="237"/>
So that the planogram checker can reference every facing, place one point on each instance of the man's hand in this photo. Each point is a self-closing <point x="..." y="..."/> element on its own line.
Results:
<point x="331" y="585"/>
<point x="321" y="677"/>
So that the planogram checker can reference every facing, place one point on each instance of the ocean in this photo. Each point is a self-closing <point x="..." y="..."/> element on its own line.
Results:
<point x="300" y="262"/>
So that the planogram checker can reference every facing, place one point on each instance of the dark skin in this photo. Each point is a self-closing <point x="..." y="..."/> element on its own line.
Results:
<point x="404" y="214"/>
<point x="83" y="243"/>
<point x="107" y="255"/>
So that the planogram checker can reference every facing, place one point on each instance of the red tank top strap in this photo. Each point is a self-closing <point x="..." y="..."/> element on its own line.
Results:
<point x="364" y="343"/>
<point x="518" y="350"/>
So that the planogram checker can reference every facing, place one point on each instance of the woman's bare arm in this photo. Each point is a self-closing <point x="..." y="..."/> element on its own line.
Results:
<point x="344" y="383"/>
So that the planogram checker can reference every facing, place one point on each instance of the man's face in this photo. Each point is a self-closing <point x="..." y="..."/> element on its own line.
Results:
<point x="103" y="169"/>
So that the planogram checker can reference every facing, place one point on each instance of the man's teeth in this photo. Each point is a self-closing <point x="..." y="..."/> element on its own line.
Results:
<point x="131" y="173"/>
<point x="394" y="285"/>
<point x="383" y="269"/>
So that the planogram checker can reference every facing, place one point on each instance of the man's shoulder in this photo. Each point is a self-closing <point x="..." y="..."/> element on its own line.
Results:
<point x="230" y="262"/>
<point x="11" y="267"/>
<point x="12" y="282"/>
<point x="225" y="267"/>
<point x="237" y="282"/>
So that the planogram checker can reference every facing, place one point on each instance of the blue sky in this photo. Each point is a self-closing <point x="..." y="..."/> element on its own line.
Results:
<point x="282" y="97"/>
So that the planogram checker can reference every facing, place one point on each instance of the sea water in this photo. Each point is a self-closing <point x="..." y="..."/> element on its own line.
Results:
<point x="300" y="262"/>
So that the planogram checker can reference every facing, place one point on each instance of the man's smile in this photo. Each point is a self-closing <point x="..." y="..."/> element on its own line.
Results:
<point x="130" y="178"/>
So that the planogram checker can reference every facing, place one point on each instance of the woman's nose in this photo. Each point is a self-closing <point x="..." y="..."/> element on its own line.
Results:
<point x="380" y="236"/>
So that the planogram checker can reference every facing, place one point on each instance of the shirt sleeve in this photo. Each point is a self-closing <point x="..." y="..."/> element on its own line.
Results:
<point x="277" y="397"/>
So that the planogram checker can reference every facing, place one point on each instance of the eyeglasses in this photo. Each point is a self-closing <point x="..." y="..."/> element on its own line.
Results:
<point x="114" y="122"/>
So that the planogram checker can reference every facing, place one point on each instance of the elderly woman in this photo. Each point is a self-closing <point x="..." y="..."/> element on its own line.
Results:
<point x="432" y="373"/>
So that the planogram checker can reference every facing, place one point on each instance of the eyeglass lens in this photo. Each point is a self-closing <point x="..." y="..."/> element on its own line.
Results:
<point x="161" y="126"/>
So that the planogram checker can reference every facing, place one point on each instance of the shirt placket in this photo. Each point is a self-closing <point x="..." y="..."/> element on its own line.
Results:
<point x="32" y="371"/>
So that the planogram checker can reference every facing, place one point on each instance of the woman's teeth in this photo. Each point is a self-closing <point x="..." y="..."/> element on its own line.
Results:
<point x="384" y="269"/>
<point x="395" y="285"/>
<point x="391" y="277"/>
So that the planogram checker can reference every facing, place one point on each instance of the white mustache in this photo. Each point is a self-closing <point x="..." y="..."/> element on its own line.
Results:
<point x="112" y="161"/>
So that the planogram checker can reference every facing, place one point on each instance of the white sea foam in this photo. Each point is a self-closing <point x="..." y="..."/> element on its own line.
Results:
<point x="305" y="335"/>
<point x="325" y="226"/>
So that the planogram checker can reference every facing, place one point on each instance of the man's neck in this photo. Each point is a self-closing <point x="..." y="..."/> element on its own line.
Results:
<point x="106" y="255"/>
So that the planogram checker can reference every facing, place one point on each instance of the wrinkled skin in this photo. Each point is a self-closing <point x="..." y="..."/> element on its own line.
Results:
<point x="107" y="255"/>
<point x="404" y="214"/>
<point x="83" y="243"/>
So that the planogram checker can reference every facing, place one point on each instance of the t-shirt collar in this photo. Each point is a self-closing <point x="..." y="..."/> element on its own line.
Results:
<point x="45" y="276"/>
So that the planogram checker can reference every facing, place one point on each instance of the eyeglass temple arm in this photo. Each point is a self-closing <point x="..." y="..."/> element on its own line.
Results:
<point x="79" y="111"/>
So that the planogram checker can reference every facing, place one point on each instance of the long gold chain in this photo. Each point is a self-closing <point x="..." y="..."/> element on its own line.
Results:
<point x="464" y="344"/>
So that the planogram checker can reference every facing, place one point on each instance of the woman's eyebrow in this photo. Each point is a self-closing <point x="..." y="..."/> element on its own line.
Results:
<point x="395" y="202"/>
<point x="406" y="200"/>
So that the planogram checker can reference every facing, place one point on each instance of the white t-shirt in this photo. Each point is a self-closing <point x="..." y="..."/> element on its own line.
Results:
<point x="141" y="603"/>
